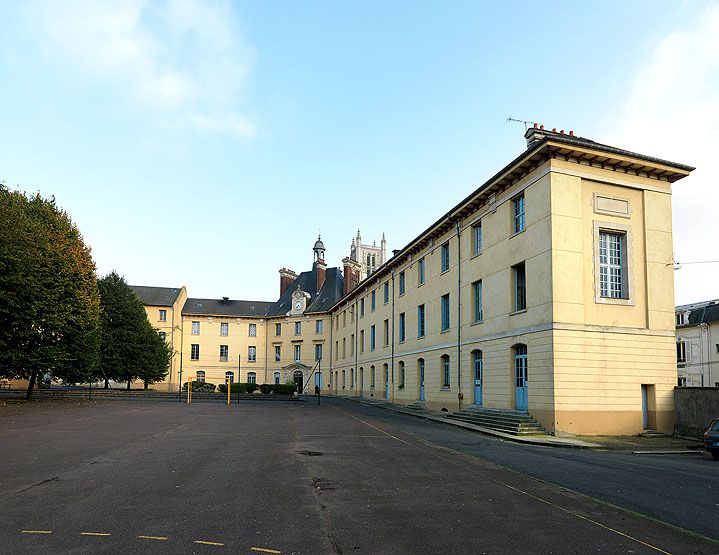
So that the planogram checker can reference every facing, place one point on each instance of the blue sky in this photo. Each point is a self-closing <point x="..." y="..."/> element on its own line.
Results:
<point x="207" y="143"/>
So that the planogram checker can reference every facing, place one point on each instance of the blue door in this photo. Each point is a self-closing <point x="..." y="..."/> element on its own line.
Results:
<point x="477" y="377"/>
<point x="645" y="409"/>
<point x="520" y="378"/>
<point x="386" y="383"/>
<point x="421" y="380"/>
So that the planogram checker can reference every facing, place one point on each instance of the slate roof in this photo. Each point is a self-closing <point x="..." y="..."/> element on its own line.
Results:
<point x="320" y="301"/>
<point x="221" y="307"/>
<point x="156" y="296"/>
<point x="702" y="313"/>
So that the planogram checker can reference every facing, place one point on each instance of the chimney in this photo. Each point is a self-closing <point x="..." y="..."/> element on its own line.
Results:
<point x="351" y="274"/>
<point x="534" y="134"/>
<point x="321" y="270"/>
<point x="395" y="251"/>
<point x="286" y="279"/>
<point x="225" y="299"/>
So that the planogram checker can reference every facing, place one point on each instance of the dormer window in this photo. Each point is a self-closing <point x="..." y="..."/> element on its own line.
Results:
<point x="681" y="318"/>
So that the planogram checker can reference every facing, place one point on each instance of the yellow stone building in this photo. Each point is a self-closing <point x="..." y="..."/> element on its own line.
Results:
<point x="549" y="290"/>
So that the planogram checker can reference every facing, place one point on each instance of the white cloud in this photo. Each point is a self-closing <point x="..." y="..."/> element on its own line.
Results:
<point x="182" y="59"/>
<point x="672" y="112"/>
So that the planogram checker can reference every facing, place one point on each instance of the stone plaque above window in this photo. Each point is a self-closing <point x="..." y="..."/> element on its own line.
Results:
<point x="611" y="206"/>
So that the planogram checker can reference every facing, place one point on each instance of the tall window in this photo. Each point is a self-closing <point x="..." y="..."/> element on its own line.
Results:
<point x="445" y="371"/>
<point x="373" y="303"/>
<point x="612" y="263"/>
<point x="420" y="271"/>
<point x="372" y="338"/>
<point x="477" y="238"/>
<point x="352" y="378"/>
<point x="277" y="377"/>
<point x="520" y="287"/>
<point x="518" y="204"/>
<point x="195" y="328"/>
<point x="401" y="374"/>
<point x="352" y="345"/>
<point x="386" y="333"/>
<point x="251" y="353"/>
<point x="318" y="351"/>
<point x="361" y="341"/>
<point x="402" y="323"/>
<point x="230" y="375"/>
<point x="477" y="300"/>
<point x="445" y="256"/>
<point x="278" y="329"/>
<point x="371" y="377"/>
<point x="251" y="377"/>
<point x="386" y="292"/>
<point x="195" y="351"/>
<point x="344" y="347"/>
<point x="298" y="328"/>
<point x="318" y="327"/>
<point x="298" y="353"/>
<point x="163" y="315"/>
<point x="253" y="330"/>
<point x="445" y="312"/>
<point x="681" y="351"/>
<point x="520" y="365"/>
<point x="278" y="353"/>
<point x="343" y="379"/>
<point x="224" y="328"/>
<point x="201" y="376"/>
<point x="402" y="284"/>
<point x="477" y="364"/>
<point x="224" y="353"/>
<point x="420" y="321"/>
<point x="361" y="307"/>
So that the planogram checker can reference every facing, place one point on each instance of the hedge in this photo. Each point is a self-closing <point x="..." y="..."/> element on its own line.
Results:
<point x="202" y="387"/>
<point x="266" y="388"/>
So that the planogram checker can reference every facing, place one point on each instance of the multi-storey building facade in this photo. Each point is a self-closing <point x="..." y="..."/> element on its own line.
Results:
<point x="549" y="289"/>
<point x="698" y="344"/>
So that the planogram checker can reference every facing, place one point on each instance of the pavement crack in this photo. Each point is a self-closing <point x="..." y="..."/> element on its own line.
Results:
<point x="55" y="479"/>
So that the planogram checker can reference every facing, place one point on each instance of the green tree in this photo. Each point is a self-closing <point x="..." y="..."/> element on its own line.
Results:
<point x="49" y="303"/>
<point x="130" y="347"/>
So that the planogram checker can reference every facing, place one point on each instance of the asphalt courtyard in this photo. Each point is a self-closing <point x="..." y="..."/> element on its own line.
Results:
<point x="158" y="477"/>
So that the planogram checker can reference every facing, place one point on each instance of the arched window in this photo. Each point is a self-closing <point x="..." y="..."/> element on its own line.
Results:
<point x="445" y="371"/>
<point x="477" y="365"/>
<point x="371" y="377"/>
<point x="277" y="377"/>
<point x="373" y="261"/>
<point x="361" y="378"/>
<point x="352" y="378"/>
<point x="401" y="374"/>
<point x="230" y="376"/>
<point x="251" y="377"/>
<point x="520" y="365"/>
<point x="201" y="376"/>
<point x="369" y="261"/>
<point x="343" y="379"/>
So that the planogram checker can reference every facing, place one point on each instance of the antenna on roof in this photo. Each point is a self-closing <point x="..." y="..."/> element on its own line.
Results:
<point x="525" y="122"/>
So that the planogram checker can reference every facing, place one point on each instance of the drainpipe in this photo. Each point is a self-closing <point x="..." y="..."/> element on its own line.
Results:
<point x="331" y="353"/>
<point x="356" y="313"/>
<point x="459" y="315"/>
<point x="392" y="335"/>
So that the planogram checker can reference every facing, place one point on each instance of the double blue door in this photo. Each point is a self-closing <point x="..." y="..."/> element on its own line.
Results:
<point x="521" y="378"/>
<point x="421" y="381"/>
<point x="478" y="377"/>
<point x="386" y="384"/>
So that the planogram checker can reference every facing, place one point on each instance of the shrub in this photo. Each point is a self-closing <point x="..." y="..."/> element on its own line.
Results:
<point x="242" y="388"/>
<point x="202" y="387"/>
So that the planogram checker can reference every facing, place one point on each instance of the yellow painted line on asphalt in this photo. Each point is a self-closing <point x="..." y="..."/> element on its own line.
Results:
<point x="159" y="538"/>
<point x="202" y="542"/>
<point x="264" y="550"/>
<point x="36" y="531"/>
<point x="95" y="534"/>
<point x="567" y="511"/>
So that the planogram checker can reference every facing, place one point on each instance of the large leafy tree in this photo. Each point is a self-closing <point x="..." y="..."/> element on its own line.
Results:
<point x="130" y="347"/>
<point x="49" y="302"/>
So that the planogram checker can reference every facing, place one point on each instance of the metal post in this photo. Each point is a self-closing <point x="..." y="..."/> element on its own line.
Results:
<point x="319" y="380"/>
<point x="239" y="377"/>
<point x="179" y="393"/>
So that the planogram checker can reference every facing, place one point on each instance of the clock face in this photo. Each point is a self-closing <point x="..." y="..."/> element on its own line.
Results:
<point x="298" y="305"/>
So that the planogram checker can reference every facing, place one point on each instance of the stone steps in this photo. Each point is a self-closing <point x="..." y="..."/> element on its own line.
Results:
<point x="507" y="421"/>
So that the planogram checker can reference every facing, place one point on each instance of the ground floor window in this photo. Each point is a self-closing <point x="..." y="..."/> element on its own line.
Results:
<point x="201" y="376"/>
<point x="230" y="376"/>
<point x="277" y="377"/>
<point x="251" y="377"/>
<point x="445" y="371"/>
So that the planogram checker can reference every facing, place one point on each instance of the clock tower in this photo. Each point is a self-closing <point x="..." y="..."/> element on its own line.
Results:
<point x="299" y="302"/>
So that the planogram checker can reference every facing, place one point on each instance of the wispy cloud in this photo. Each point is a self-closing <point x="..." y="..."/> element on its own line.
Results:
<point x="184" y="60"/>
<point x="672" y="111"/>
